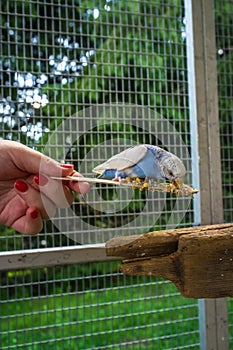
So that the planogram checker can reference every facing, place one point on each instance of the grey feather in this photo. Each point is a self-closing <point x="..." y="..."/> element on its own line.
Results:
<point x="124" y="159"/>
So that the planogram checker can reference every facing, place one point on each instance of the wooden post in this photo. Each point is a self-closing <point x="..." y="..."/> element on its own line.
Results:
<point x="198" y="260"/>
<point x="205" y="139"/>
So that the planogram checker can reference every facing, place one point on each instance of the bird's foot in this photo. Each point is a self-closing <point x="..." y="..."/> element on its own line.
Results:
<point x="118" y="179"/>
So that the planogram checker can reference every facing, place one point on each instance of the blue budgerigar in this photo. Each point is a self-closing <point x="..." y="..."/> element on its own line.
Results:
<point x="144" y="162"/>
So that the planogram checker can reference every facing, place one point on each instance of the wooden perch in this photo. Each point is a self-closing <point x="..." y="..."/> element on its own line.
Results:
<point x="198" y="260"/>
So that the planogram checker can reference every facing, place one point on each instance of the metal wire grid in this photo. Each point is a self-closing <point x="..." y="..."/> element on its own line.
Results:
<point x="67" y="71"/>
<point x="224" y="37"/>
<point x="225" y="75"/>
<point x="94" y="312"/>
<point x="64" y="57"/>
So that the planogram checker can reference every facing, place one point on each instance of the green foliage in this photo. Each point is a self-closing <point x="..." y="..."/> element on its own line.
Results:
<point x="142" y="64"/>
<point x="133" y="52"/>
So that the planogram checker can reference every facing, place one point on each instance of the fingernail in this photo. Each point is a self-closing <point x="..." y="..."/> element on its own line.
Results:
<point x="40" y="179"/>
<point x="21" y="186"/>
<point x="67" y="166"/>
<point x="34" y="214"/>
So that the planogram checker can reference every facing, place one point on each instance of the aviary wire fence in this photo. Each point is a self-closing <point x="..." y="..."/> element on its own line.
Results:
<point x="224" y="40"/>
<point x="80" y="81"/>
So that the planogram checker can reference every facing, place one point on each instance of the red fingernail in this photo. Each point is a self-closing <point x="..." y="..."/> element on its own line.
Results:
<point x="40" y="179"/>
<point x="21" y="186"/>
<point x="34" y="214"/>
<point x="67" y="166"/>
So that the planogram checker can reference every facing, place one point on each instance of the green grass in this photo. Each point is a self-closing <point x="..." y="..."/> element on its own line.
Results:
<point x="103" y="318"/>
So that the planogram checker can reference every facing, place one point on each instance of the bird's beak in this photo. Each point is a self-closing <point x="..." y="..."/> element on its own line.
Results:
<point x="177" y="183"/>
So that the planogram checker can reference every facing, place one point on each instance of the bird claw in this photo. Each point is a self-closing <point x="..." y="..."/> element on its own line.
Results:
<point x="118" y="179"/>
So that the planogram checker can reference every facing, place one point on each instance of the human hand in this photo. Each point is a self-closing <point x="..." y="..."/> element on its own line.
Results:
<point x="27" y="193"/>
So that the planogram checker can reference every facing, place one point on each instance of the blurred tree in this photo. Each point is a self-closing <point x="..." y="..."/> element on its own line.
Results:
<point x="58" y="58"/>
<point x="64" y="58"/>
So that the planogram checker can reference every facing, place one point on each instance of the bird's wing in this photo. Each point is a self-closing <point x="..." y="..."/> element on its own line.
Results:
<point x="123" y="160"/>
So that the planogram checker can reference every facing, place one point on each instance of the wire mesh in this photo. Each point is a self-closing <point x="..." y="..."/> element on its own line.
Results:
<point x="99" y="310"/>
<point x="224" y="39"/>
<point x="61" y="61"/>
